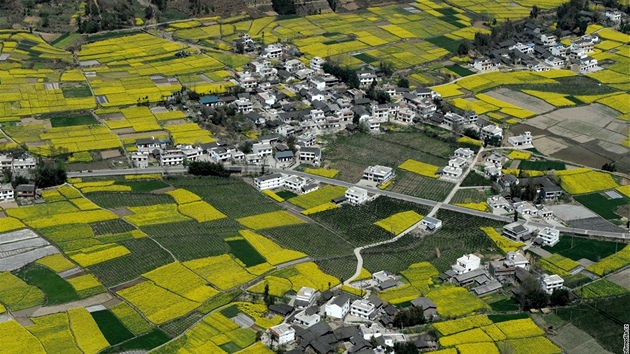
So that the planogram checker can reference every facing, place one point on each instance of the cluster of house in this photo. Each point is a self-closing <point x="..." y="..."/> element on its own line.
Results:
<point x="516" y="231"/>
<point x="358" y="325"/>
<point x="541" y="51"/>
<point x="462" y="157"/>
<point x="20" y="164"/>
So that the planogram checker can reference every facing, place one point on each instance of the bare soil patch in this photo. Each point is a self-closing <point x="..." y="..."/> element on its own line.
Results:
<point x="622" y="278"/>
<point x="122" y="212"/>
<point x="548" y="146"/>
<point x="520" y="99"/>
<point x="108" y="154"/>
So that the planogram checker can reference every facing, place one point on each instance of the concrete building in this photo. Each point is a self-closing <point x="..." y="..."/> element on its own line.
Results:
<point x="271" y="181"/>
<point x="362" y="308"/>
<point x="356" y="195"/>
<point x="282" y="334"/>
<point x="305" y="297"/>
<point x="550" y="283"/>
<point x="7" y="194"/>
<point x="338" y="306"/>
<point x="521" y="140"/>
<point x="378" y="174"/>
<point x="431" y="223"/>
<point x="549" y="236"/>
<point x="466" y="263"/>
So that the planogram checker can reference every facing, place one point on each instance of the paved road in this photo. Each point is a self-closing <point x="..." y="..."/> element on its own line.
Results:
<point x="416" y="200"/>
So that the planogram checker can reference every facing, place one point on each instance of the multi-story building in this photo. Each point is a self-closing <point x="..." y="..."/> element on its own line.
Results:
<point x="378" y="174"/>
<point x="356" y="195"/>
<point x="549" y="236"/>
<point x="362" y="308"/>
<point x="171" y="157"/>
<point x="7" y="194"/>
<point x="551" y="283"/>
<point x="272" y="181"/>
<point x="466" y="263"/>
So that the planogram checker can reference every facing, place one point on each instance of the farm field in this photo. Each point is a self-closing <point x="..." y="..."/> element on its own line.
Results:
<point x="576" y="248"/>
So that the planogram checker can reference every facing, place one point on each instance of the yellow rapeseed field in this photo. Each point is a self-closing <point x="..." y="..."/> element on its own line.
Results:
<point x="587" y="182"/>
<point x="462" y="324"/>
<point x="86" y="331"/>
<point x="523" y="328"/>
<point x="320" y="208"/>
<point x="156" y="303"/>
<point x="399" y="222"/>
<point x="277" y="286"/>
<point x="56" y="262"/>
<point x="183" y="196"/>
<point x="155" y="215"/>
<point x="270" y="220"/>
<point x="476" y="348"/>
<point x="538" y="345"/>
<point x="98" y="254"/>
<point x="273" y="195"/>
<point x="201" y="211"/>
<point x="505" y="244"/>
<point x="324" y="172"/>
<point x="221" y="271"/>
<point x="271" y="251"/>
<point x="53" y="331"/>
<point x="519" y="155"/>
<point x="182" y="281"/>
<point x="475" y="335"/>
<point x="321" y="196"/>
<point x="454" y="301"/>
<point x="420" y="168"/>
<point x="18" y="339"/>
<point x="10" y="224"/>
<point x="611" y="263"/>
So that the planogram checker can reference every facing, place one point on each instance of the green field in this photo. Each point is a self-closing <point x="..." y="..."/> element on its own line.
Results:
<point x="148" y="341"/>
<point x="247" y="254"/>
<point x="57" y="290"/>
<point x="475" y="179"/>
<point x="145" y="256"/>
<point x="145" y="186"/>
<point x="419" y="186"/>
<point x="541" y="165"/>
<point x="602" y="205"/>
<point x="459" y="70"/>
<point x="108" y="227"/>
<point x="114" y="331"/>
<point x="577" y="248"/>
<point x="603" y="319"/>
<point x="470" y="196"/>
<point x="113" y="200"/>
<point x="458" y="236"/>
<point x="70" y="120"/>
<point x="312" y="239"/>
<point x="78" y="92"/>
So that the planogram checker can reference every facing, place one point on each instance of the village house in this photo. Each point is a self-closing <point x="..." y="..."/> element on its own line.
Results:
<point x="295" y="183"/>
<point x="499" y="203"/>
<point x="428" y="307"/>
<point x="25" y="191"/>
<point x="312" y="155"/>
<point x="453" y="119"/>
<point x="491" y="131"/>
<point x="558" y="50"/>
<point x="517" y="232"/>
<point x="338" y="306"/>
<point x="549" y="236"/>
<point x="378" y="174"/>
<point x="171" y="157"/>
<point x="271" y="181"/>
<point x="464" y="153"/>
<point x="384" y="280"/>
<point x="305" y="297"/>
<point x="356" y="195"/>
<point x="140" y="159"/>
<point x="466" y="263"/>
<point x="307" y="317"/>
<point x="524" y="139"/>
<point x="272" y="51"/>
<point x="317" y="63"/>
<point x="6" y="161"/>
<point x="613" y="15"/>
<point x="363" y="309"/>
<point x="7" y="193"/>
<point x="282" y="334"/>
<point x="262" y="149"/>
<point x="450" y="172"/>
<point x="366" y="77"/>
<point x="550" y="283"/>
<point x="284" y="156"/>
<point x="525" y="208"/>
<point x="431" y="223"/>
<point x="405" y="115"/>
<point x="485" y="64"/>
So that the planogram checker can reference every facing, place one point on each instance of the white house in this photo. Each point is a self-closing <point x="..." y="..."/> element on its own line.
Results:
<point x="516" y="231"/>
<point x="558" y="50"/>
<point x="306" y="319"/>
<point x="550" y="283"/>
<point x="587" y="64"/>
<point x="295" y="183"/>
<point x="485" y="64"/>
<point x="362" y="308"/>
<point x="305" y="297"/>
<point x="548" y="39"/>
<point x="24" y="162"/>
<point x="271" y="181"/>
<point x="458" y="162"/>
<point x="6" y="161"/>
<point x="516" y="260"/>
<point x="525" y="208"/>
<point x="262" y="149"/>
<point x="312" y="155"/>
<point x="140" y="159"/>
<point x="464" y="153"/>
<point x="356" y="195"/>
<point x="171" y="157"/>
<point x="466" y="263"/>
<point x="521" y="140"/>
<point x="317" y="63"/>
<point x="491" y="131"/>
<point x="498" y="202"/>
<point x="405" y="115"/>
<point x="6" y="192"/>
<point x="147" y="145"/>
<point x="431" y="223"/>
<point x="451" y="172"/>
<point x="366" y="77"/>
<point x="293" y="65"/>
<point x="549" y="236"/>
<point x="243" y="105"/>
<point x="282" y="333"/>
<point x="453" y="119"/>
<point x="378" y="174"/>
<point x="338" y="306"/>
<point x="247" y="81"/>
<point x="613" y="14"/>
<point x="272" y="51"/>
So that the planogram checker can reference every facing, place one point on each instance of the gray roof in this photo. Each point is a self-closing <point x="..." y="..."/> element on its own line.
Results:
<point x="423" y="302"/>
<point x="314" y="150"/>
<point x="389" y="283"/>
<point x="268" y="177"/>
<point x="284" y="154"/>
<point x="469" y="276"/>
<point x="487" y="288"/>
<point x="340" y="300"/>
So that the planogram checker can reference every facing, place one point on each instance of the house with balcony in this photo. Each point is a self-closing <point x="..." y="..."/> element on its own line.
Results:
<point x="464" y="153"/>
<point x="549" y="236"/>
<point x="312" y="155"/>
<point x="317" y="63"/>
<point x="356" y="195"/>
<point x="271" y="181"/>
<point x="466" y="263"/>
<point x="524" y="139"/>
<point x="172" y="157"/>
<point x="272" y="51"/>
<point x="551" y="283"/>
<point x="262" y="149"/>
<point x="363" y="309"/>
<point x="140" y="159"/>
<point x="305" y="297"/>
<point x="517" y="232"/>
<point x="485" y="64"/>
<point x="491" y="131"/>
<point x="282" y="334"/>
<point x="378" y="174"/>
<point x="7" y="193"/>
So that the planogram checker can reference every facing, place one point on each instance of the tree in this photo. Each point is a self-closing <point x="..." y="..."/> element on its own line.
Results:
<point x="411" y="316"/>
<point x="403" y="82"/>
<point x="202" y="168"/>
<point x="610" y="167"/>
<point x="284" y="7"/>
<point x="246" y="146"/>
<point x="49" y="174"/>
<point x="532" y="295"/>
<point x="405" y="348"/>
<point x="386" y="67"/>
<point x="560" y="297"/>
<point x="534" y="12"/>
<point x="463" y="49"/>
